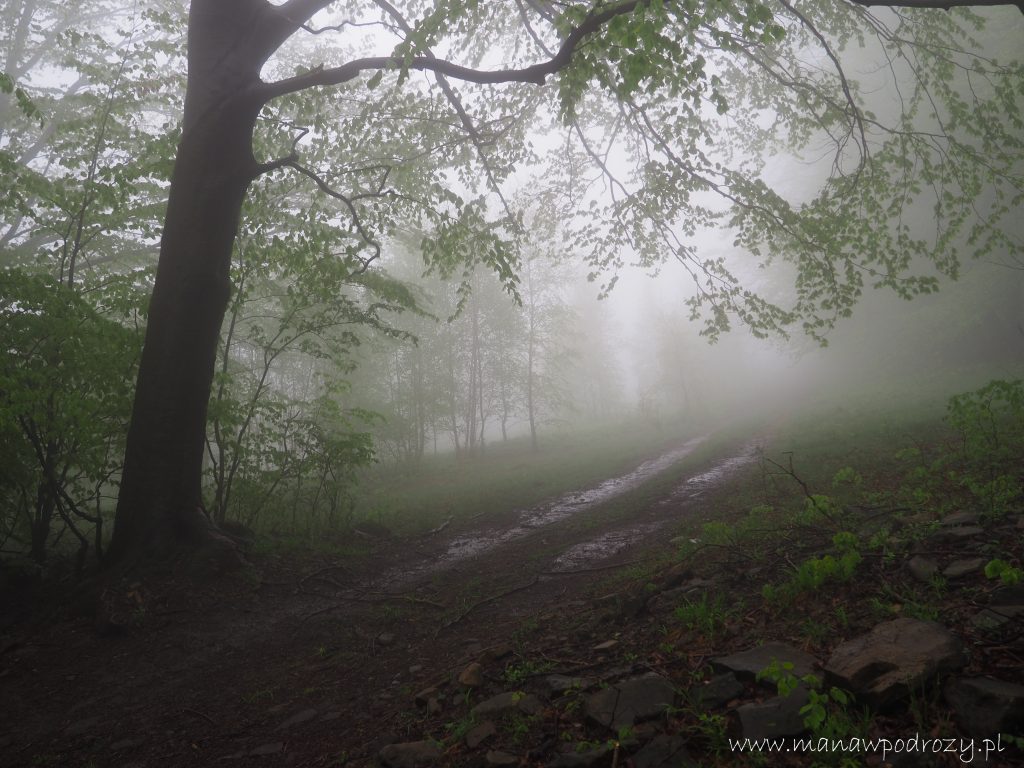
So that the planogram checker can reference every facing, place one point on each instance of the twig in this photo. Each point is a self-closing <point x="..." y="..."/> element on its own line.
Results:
<point x="381" y="599"/>
<point x="197" y="713"/>
<point x="591" y="570"/>
<point x="440" y="528"/>
<point x="485" y="601"/>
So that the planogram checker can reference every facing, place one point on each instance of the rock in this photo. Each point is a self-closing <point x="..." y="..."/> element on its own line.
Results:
<point x="923" y="568"/>
<point x="747" y="664"/>
<point x="664" y="752"/>
<point x="774" y="718"/>
<point x="386" y="639"/>
<point x="472" y="676"/>
<point x="607" y="645"/>
<point x="507" y="703"/>
<point x="415" y="669"/>
<point x="498" y="652"/>
<point x="957" y="532"/>
<point x="959" y="518"/>
<point x="676" y="575"/>
<point x="628" y="702"/>
<point x="425" y="696"/>
<point x="960" y="568"/>
<point x="494" y="757"/>
<point x="985" y="707"/>
<point x="996" y="616"/>
<point x="412" y="754"/>
<point x="716" y="692"/>
<point x="895" y="658"/>
<point x="1005" y="605"/>
<point x="302" y="717"/>
<point x="82" y="726"/>
<point x="1011" y="595"/>
<point x="558" y="685"/>
<point x="594" y="758"/>
<point x="273" y="748"/>
<point x="480" y="733"/>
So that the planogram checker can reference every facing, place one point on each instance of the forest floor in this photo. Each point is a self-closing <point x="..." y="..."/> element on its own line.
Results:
<point x="495" y="641"/>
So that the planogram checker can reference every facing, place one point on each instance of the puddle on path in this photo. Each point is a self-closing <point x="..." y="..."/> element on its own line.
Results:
<point x="610" y="543"/>
<point x="607" y="544"/>
<point x="566" y="506"/>
<point x="603" y="546"/>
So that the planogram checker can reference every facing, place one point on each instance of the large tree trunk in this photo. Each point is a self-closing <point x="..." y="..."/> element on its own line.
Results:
<point x="159" y="508"/>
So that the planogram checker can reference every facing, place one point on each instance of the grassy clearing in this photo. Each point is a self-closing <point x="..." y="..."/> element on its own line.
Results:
<point x="507" y="477"/>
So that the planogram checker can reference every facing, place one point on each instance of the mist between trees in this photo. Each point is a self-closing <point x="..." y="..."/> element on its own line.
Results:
<point x="420" y="245"/>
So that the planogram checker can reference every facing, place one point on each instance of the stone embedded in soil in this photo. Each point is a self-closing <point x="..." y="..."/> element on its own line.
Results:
<point x="494" y="757"/>
<point x="472" y="676"/>
<point x="716" y="692"/>
<point x="985" y="707"/>
<point x="960" y="518"/>
<point x="300" y="717"/>
<point x="923" y="568"/>
<point x="1011" y="595"/>
<point x="600" y="757"/>
<point x="664" y="752"/>
<point x="959" y="568"/>
<point x="506" y="704"/>
<point x="777" y="717"/>
<point x="386" y="638"/>
<point x="747" y="664"/>
<point x="497" y="652"/>
<point x="893" y="659"/>
<point x="675" y="576"/>
<point x="994" y="618"/>
<point x="630" y="701"/>
<point x="956" y="533"/>
<point x="478" y="734"/>
<point x="558" y="685"/>
<point x="425" y="696"/>
<point x="412" y="754"/>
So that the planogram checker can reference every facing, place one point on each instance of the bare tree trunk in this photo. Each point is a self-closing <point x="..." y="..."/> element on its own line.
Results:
<point x="159" y="507"/>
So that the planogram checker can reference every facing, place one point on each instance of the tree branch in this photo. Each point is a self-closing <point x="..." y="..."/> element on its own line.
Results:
<point x="943" y="5"/>
<point x="536" y="73"/>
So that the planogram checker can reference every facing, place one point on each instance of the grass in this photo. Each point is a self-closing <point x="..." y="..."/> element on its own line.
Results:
<point x="506" y="477"/>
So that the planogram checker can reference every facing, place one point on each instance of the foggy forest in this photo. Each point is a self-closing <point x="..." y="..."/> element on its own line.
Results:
<point x="540" y="383"/>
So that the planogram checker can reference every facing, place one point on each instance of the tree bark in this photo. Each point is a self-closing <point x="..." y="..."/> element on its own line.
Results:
<point x="159" y="507"/>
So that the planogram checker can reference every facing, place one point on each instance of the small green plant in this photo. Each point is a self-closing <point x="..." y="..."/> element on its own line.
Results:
<point x="1002" y="570"/>
<point x="815" y="572"/>
<point x="706" y="616"/>
<point x="826" y="714"/>
<point x="517" y="672"/>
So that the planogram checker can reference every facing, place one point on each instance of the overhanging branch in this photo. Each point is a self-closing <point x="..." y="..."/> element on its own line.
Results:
<point x="536" y="73"/>
<point x="943" y="5"/>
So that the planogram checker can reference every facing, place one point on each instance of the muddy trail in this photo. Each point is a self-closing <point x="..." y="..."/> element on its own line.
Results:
<point x="315" y="661"/>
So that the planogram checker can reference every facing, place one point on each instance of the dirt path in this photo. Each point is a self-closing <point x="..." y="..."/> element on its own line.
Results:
<point x="311" y="662"/>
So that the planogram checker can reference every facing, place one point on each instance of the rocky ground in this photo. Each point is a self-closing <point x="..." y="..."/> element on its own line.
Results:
<point x="570" y="635"/>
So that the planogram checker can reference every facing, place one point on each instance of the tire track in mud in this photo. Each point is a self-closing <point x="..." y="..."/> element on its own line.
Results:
<point x="552" y="526"/>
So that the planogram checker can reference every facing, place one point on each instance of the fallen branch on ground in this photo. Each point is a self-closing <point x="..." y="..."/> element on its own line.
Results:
<point x="485" y="601"/>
